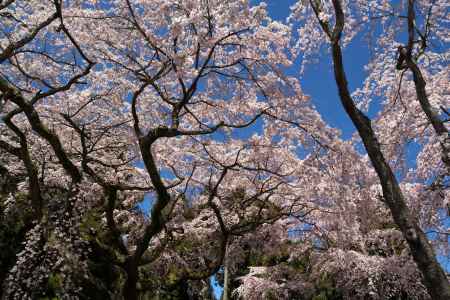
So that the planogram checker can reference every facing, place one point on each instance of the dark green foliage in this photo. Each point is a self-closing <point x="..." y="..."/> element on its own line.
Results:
<point x="14" y="224"/>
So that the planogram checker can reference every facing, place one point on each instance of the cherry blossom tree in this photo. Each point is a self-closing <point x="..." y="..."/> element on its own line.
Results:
<point x="348" y="246"/>
<point x="120" y="84"/>
<point x="336" y="23"/>
<point x="109" y="104"/>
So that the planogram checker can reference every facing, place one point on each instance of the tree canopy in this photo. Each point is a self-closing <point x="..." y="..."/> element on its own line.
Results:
<point x="192" y="107"/>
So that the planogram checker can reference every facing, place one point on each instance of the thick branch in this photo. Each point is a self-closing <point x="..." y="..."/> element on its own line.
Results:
<point x="163" y="198"/>
<point x="111" y="194"/>
<point x="12" y="94"/>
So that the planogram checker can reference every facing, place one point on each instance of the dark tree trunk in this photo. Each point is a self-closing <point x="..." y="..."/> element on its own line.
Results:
<point x="130" y="288"/>
<point x="434" y="277"/>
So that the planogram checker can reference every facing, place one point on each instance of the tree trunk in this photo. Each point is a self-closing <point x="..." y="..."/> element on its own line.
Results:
<point x="434" y="277"/>
<point x="130" y="287"/>
<point x="226" y="277"/>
